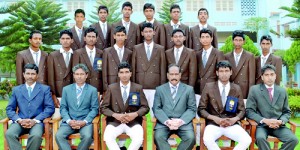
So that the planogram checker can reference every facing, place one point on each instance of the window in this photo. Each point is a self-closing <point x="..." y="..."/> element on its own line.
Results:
<point x="73" y="5"/>
<point x="194" y="5"/>
<point x="248" y="7"/>
<point x="224" y="5"/>
<point x="137" y="5"/>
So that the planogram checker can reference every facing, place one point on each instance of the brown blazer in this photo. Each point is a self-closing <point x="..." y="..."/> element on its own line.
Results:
<point x="169" y="29"/>
<point x="94" y="77"/>
<point x="149" y="74"/>
<point x="101" y="42"/>
<point x="110" y="65"/>
<point x="59" y="75"/>
<point x="187" y="63"/>
<point x="211" y="102"/>
<point x="76" y="43"/>
<point x="159" y="36"/>
<point x="208" y="73"/>
<point x="133" y="37"/>
<point x="113" y="103"/>
<point x="194" y="40"/>
<point x="272" y="60"/>
<point x="243" y="74"/>
<point x="24" y="57"/>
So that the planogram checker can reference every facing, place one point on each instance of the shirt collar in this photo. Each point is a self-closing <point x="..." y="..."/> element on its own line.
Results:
<point x="220" y="84"/>
<point x="32" y="86"/>
<point x="77" y="87"/>
<point x="78" y="28"/>
<point x="200" y="25"/>
<point x="239" y="53"/>
<point x="123" y="22"/>
<point x="32" y="51"/>
<point x="151" y="44"/>
<point x="152" y="21"/>
<point x="265" y="56"/>
<point x="101" y="23"/>
<point x="208" y="50"/>
<point x="122" y="85"/>
<point x="88" y="50"/>
<point x="117" y="48"/>
<point x="270" y="86"/>
<point x="180" y="48"/>
<point x="172" y="23"/>
<point x="61" y="50"/>
<point x="171" y="85"/>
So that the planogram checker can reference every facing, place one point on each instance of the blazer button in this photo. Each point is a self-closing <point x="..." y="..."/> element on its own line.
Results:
<point x="117" y="111"/>
<point x="197" y="44"/>
<point x="115" y="68"/>
<point x="58" y="64"/>
<point x="112" y="60"/>
<point x="116" y="103"/>
<point x="241" y="74"/>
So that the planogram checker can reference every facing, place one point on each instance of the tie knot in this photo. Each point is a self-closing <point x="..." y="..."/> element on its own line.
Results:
<point x="270" y="89"/>
<point x="29" y="88"/>
<point x="177" y="49"/>
<point x="174" y="87"/>
<point x="79" y="90"/>
<point x="119" y="49"/>
<point x="36" y="53"/>
<point x="125" y="87"/>
<point x="91" y="51"/>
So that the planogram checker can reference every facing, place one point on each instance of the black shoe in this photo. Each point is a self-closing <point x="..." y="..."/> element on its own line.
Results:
<point x="198" y="148"/>
<point x="123" y="148"/>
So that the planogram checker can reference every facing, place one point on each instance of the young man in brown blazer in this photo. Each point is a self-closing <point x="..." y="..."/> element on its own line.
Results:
<point x="194" y="32"/>
<point x="92" y="58"/>
<point x="148" y="61"/>
<point x="59" y="65"/>
<point x="184" y="57"/>
<point x="103" y="28"/>
<point x="267" y="58"/>
<point x="32" y="55"/>
<point x="207" y="58"/>
<point x="78" y="30"/>
<point x="132" y="29"/>
<point x="243" y="63"/>
<point x="159" y="37"/>
<point x="175" y="23"/>
<point x="112" y="57"/>
<point x="124" y="104"/>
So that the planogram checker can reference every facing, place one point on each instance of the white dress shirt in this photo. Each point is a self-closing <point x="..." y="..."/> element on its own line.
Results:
<point x="34" y="55"/>
<point x="262" y="60"/>
<point x="202" y="26"/>
<point x="208" y="51"/>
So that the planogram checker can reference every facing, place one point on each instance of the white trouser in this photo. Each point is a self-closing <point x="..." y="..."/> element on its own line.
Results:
<point x="135" y="133"/>
<point x="235" y="132"/>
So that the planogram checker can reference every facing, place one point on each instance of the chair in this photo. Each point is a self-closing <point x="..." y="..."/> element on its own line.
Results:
<point x="123" y="136"/>
<point x="275" y="140"/>
<point x="47" y="136"/>
<point x="95" y="145"/>
<point x="154" y="120"/>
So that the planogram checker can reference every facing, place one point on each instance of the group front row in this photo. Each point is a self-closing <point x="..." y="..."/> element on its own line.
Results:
<point x="124" y="104"/>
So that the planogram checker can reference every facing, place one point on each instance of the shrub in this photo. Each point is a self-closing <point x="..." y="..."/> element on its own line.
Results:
<point x="294" y="102"/>
<point x="293" y="91"/>
<point x="6" y="88"/>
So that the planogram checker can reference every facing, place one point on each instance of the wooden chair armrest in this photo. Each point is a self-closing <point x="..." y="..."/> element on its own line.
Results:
<point x="252" y="122"/>
<point x="144" y="118"/>
<point x="195" y="121"/>
<point x="153" y="120"/>
<point x="55" y="120"/>
<point x="96" y="119"/>
<point x="5" y="120"/>
<point x="47" y="120"/>
<point x="202" y="121"/>
<point x="293" y="126"/>
<point x="103" y="119"/>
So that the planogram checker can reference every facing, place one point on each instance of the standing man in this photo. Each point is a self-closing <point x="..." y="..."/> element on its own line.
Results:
<point x="32" y="55"/>
<point x="112" y="57"/>
<point x="132" y="29"/>
<point x="243" y="69"/>
<point x="124" y="104"/>
<point x="91" y="57"/>
<point x="103" y="28"/>
<point x="159" y="30"/>
<point x="184" y="57"/>
<point x="78" y="30"/>
<point x="174" y="107"/>
<point x="222" y="106"/>
<point x="60" y="66"/>
<point x="28" y="106"/>
<point x="194" y="33"/>
<point x="267" y="105"/>
<point x="148" y="61"/>
<point x="207" y="59"/>
<point x="78" y="111"/>
<point x="267" y="58"/>
<point x="175" y="13"/>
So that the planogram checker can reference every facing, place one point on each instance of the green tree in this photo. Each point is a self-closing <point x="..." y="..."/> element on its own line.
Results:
<point x="10" y="8"/>
<point x="294" y="12"/>
<point x="43" y="15"/>
<point x="164" y="13"/>
<point x="292" y="56"/>
<point x="254" y="24"/>
<point x="114" y="11"/>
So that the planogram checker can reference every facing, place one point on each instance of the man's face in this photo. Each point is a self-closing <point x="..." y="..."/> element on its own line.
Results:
<point x="36" y="40"/>
<point x="149" y="13"/>
<point x="148" y="33"/>
<point x="175" y="14"/>
<point x="80" y="76"/>
<point x="224" y="74"/>
<point x="178" y="38"/>
<point x="90" y="39"/>
<point x="173" y="75"/>
<point x="269" y="77"/>
<point x="120" y="37"/>
<point x="124" y="75"/>
<point x="265" y="46"/>
<point x="238" y="42"/>
<point x="203" y="16"/>
<point x="127" y="11"/>
<point x="30" y="76"/>
<point x="205" y="39"/>
<point x="79" y="18"/>
<point x="102" y="15"/>
<point x="66" y="41"/>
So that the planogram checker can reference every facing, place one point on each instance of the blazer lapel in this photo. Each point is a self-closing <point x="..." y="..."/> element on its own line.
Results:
<point x="86" y="59"/>
<point x="269" y="60"/>
<point x="232" y="61"/>
<point x="75" y="37"/>
<point x="69" y="68"/>
<point x="275" y="95"/>
<point x="24" y="92"/>
<point x="61" y="60"/>
<point x="218" y="98"/>
<point x="169" y="29"/>
<point x="153" y="54"/>
<point x="120" y="98"/>
<point x="178" y="94"/>
<point x="265" y="93"/>
<point x="182" y="56"/>
<point x="144" y="56"/>
<point x="211" y="57"/>
<point x="29" y="57"/>
<point x="170" y="55"/>
<point x="241" y="61"/>
<point x="99" y="29"/>
<point x="35" y="91"/>
<point x="131" y="30"/>
<point x="168" y="91"/>
<point x="115" y="55"/>
<point x="82" y="96"/>
<point x="125" y="55"/>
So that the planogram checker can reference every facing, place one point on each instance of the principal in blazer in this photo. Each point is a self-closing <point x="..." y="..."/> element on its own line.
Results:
<point x="160" y="36"/>
<point x="77" y="44"/>
<point x="102" y="42"/>
<point x="194" y="42"/>
<point x="169" y="29"/>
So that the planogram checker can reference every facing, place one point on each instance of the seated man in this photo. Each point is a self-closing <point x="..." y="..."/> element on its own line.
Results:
<point x="267" y="104"/>
<point x="35" y="103"/>
<point x="124" y="104"/>
<point x="174" y="107"/>
<point x="222" y="106"/>
<point x="78" y="111"/>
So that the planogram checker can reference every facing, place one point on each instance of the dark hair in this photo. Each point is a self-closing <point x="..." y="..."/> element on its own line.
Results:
<point x="202" y="9"/>
<point x="148" y="6"/>
<point x="124" y="64"/>
<point x="223" y="64"/>
<point x="120" y="29"/>
<point x="80" y="66"/>
<point x="178" y="30"/>
<point x="34" y="32"/>
<point x="206" y="30"/>
<point x="266" y="37"/>
<point x="267" y="67"/>
<point x="102" y="7"/>
<point x="174" y="6"/>
<point x="126" y="4"/>
<point x="239" y="33"/>
<point x="31" y="66"/>
<point x="68" y="32"/>
<point x="147" y="25"/>
<point x="78" y="11"/>
<point x="174" y="65"/>
<point x="90" y="29"/>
